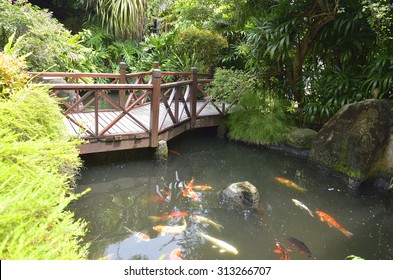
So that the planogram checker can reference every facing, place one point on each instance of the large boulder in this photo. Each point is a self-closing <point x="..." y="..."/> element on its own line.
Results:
<point x="242" y="194"/>
<point x="354" y="138"/>
<point x="384" y="164"/>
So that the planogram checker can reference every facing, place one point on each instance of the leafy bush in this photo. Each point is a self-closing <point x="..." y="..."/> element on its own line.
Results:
<point x="229" y="84"/>
<point x="260" y="119"/>
<point x="50" y="44"/>
<point x="38" y="161"/>
<point x="204" y="44"/>
<point x="12" y="69"/>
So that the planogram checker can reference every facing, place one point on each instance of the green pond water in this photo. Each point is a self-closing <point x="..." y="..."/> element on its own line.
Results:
<point x="126" y="190"/>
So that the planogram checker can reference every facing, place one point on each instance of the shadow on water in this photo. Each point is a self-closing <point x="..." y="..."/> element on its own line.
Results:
<point x="129" y="188"/>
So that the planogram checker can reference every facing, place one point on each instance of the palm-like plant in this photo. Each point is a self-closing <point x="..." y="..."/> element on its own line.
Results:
<point x="123" y="18"/>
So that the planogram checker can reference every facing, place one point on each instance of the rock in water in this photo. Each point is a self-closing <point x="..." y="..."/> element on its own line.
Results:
<point x="243" y="194"/>
<point x="354" y="138"/>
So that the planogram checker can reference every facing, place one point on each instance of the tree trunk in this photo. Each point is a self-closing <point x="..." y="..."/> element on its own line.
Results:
<point x="319" y="15"/>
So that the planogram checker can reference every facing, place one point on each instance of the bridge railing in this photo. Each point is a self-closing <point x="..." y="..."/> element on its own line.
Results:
<point x="95" y="108"/>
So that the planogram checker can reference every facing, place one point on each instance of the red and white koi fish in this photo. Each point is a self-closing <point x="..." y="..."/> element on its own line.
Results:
<point x="289" y="183"/>
<point x="332" y="223"/>
<point x="140" y="235"/>
<point x="188" y="192"/>
<point x="281" y="249"/>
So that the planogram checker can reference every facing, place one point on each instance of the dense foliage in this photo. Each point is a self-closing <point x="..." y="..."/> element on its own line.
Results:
<point x="38" y="162"/>
<point x="319" y="55"/>
<point x="50" y="45"/>
<point x="260" y="116"/>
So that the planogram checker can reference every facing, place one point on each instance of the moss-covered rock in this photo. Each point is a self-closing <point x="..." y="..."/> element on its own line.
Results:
<point x="300" y="138"/>
<point x="384" y="164"/>
<point x="354" y="138"/>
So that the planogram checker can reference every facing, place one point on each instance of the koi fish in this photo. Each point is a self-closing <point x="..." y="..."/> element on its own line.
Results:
<point x="176" y="255"/>
<point x="290" y="184"/>
<point x="281" y="249"/>
<point x="172" y="215"/>
<point x="174" y="152"/>
<point x="201" y="188"/>
<point x="201" y="219"/>
<point x="301" y="246"/>
<point x="188" y="192"/>
<point x="140" y="235"/>
<point x="171" y="229"/>
<point x="222" y="245"/>
<point x="301" y="205"/>
<point x="332" y="223"/>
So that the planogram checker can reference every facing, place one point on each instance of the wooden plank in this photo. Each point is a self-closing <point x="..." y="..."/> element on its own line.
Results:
<point x="99" y="147"/>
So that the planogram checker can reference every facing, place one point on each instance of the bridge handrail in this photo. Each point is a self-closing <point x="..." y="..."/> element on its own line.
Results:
<point x="178" y="96"/>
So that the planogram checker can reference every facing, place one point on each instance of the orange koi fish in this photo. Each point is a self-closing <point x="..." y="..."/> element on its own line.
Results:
<point x="290" y="184"/>
<point x="281" y="249"/>
<point x="176" y="255"/>
<point x="172" y="215"/>
<point x="140" y="235"/>
<point x="332" y="223"/>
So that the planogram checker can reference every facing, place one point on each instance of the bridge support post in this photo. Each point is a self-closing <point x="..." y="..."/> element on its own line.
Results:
<point x="155" y="107"/>
<point x="122" y="80"/>
<point x="194" y="90"/>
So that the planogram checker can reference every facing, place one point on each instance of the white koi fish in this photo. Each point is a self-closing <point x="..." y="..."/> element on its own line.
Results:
<point x="201" y="219"/>
<point x="223" y="246"/>
<point x="301" y="205"/>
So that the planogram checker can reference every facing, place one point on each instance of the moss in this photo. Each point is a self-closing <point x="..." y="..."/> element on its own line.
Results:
<point x="342" y="167"/>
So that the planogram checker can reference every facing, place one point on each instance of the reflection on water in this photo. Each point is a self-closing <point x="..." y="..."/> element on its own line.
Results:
<point x="127" y="193"/>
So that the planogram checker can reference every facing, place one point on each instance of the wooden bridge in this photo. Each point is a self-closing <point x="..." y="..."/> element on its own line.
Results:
<point x="123" y="111"/>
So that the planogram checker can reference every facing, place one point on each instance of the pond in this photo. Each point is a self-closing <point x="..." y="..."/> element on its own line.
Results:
<point x="134" y="200"/>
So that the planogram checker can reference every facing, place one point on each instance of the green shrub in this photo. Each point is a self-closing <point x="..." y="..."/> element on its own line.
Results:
<point x="50" y="44"/>
<point x="203" y="43"/>
<point x="260" y="118"/>
<point x="229" y="84"/>
<point x="38" y="161"/>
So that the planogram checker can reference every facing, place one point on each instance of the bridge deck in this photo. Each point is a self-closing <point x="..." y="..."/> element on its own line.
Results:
<point x="129" y="134"/>
<point x="128" y="126"/>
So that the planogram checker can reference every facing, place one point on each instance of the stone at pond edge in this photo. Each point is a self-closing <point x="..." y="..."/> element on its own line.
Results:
<point x="300" y="138"/>
<point x="162" y="151"/>
<point x="243" y="194"/>
<point x="354" y="138"/>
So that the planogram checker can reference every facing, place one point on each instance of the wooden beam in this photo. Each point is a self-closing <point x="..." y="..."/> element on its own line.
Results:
<point x="99" y="147"/>
<point x="155" y="108"/>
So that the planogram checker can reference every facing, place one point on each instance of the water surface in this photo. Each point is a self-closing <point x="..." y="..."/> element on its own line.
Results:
<point x="123" y="196"/>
